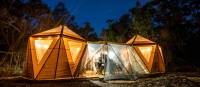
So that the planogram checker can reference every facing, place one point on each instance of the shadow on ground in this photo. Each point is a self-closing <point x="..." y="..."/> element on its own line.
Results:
<point x="60" y="83"/>
<point x="163" y="80"/>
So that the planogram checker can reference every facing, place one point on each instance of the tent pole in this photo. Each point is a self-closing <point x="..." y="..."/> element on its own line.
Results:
<point x="134" y="40"/>
<point x="61" y="35"/>
<point x="57" y="57"/>
<point x="129" y="58"/>
<point x="105" y="48"/>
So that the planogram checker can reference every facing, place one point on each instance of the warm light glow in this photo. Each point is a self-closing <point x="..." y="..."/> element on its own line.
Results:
<point x="75" y="48"/>
<point x="146" y="51"/>
<point x="111" y="55"/>
<point x="90" y="73"/>
<point x="125" y="57"/>
<point x="104" y="52"/>
<point x="46" y="46"/>
<point x="49" y="37"/>
<point x="41" y="47"/>
<point x="38" y="45"/>
<point x="96" y="56"/>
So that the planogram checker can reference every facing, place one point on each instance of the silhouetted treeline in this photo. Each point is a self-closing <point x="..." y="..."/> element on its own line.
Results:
<point x="21" y="18"/>
<point x="174" y="24"/>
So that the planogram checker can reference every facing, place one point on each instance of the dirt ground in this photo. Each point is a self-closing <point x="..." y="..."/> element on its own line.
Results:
<point x="164" y="80"/>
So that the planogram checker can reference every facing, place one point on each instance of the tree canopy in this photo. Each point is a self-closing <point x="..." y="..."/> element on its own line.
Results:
<point x="174" y="24"/>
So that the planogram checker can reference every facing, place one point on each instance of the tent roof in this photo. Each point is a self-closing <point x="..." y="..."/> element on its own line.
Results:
<point x="105" y="42"/>
<point x="57" y="31"/>
<point x="137" y="39"/>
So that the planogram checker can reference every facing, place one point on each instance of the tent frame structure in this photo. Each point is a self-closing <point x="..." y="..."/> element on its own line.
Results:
<point x="60" y="47"/>
<point x="34" y="67"/>
<point x="156" y="52"/>
<point x="105" y="48"/>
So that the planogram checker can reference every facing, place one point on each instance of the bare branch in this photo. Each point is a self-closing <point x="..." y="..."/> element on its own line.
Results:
<point x="11" y="25"/>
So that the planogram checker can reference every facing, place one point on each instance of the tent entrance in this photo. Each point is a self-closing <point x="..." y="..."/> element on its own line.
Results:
<point x="95" y="59"/>
<point x="111" y="61"/>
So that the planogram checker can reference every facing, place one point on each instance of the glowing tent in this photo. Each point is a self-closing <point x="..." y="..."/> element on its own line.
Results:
<point x="54" y="54"/>
<point x="111" y="61"/>
<point x="149" y="52"/>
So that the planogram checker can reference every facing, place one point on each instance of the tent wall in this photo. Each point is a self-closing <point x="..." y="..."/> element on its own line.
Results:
<point x="65" y="57"/>
<point x="29" y="65"/>
<point x="123" y="63"/>
<point x="74" y="50"/>
<point x="148" y="61"/>
<point x="49" y="67"/>
<point x="158" y="63"/>
<point x="138" y="40"/>
<point x="63" y="67"/>
<point x="37" y="66"/>
<point x="56" y="62"/>
<point x="155" y="61"/>
<point x="57" y="31"/>
<point x="136" y="62"/>
<point x="87" y="67"/>
<point x="119" y="61"/>
<point x="52" y="55"/>
<point x="56" y="65"/>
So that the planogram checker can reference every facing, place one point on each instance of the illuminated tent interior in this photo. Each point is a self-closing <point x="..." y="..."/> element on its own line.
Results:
<point x="111" y="61"/>
<point x="149" y="52"/>
<point x="54" y="54"/>
<point x="59" y="53"/>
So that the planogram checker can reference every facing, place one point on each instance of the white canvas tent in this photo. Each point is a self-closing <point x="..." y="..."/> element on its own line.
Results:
<point x="111" y="61"/>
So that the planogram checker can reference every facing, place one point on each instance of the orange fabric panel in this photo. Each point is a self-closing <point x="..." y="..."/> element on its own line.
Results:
<point x="81" y="69"/>
<point x="161" y="60"/>
<point x="46" y="58"/>
<point x="53" y="31"/>
<point x="34" y="59"/>
<point x="57" y="31"/>
<point x="75" y="48"/>
<point x="137" y="39"/>
<point x="155" y="66"/>
<point x="80" y="55"/>
<point x="131" y="40"/>
<point x="29" y="64"/>
<point x="146" y="52"/>
<point x="36" y="66"/>
<point x="140" y="39"/>
<point x="69" y="32"/>
<point x="41" y="46"/>
<point x="48" y="70"/>
<point x="158" y="63"/>
<point x="152" y="57"/>
<point x="73" y="64"/>
<point x="150" y="63"/>
<point x="63" y="68"/>
<point x="160" y="50"/>
<point x="69" y="57"/>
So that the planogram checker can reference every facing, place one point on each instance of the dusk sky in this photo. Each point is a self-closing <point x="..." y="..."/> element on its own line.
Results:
<point x="95" y="11"/>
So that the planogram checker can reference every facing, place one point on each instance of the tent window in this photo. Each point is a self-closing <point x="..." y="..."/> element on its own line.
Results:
<point x="75" y="48"/>
<point x="146" y="51"/>
<point x="41" y="47"/>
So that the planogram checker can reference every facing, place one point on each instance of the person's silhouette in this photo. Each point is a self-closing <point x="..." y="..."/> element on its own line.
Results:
<point x="100" y="64"/>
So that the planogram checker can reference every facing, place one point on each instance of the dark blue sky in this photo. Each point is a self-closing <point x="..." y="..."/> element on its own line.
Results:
<point x="95" y="11"/>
